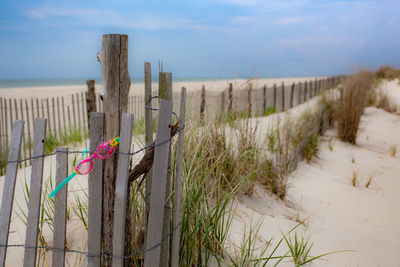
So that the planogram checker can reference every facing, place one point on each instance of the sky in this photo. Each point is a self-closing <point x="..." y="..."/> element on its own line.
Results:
<point x="220" y="38"/>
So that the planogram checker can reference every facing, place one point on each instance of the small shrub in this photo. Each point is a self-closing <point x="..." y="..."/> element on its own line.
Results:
<point x="50" y="143"/>
<point x="387" y="72"/>
<point x="270" y="110"/>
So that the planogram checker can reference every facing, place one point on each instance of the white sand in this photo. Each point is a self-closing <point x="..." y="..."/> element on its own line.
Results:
<point x="339" y="216"/>
<point x="138" y="88"/>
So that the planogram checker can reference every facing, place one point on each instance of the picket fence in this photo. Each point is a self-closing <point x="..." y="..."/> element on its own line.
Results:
<point x="255" y="101"/>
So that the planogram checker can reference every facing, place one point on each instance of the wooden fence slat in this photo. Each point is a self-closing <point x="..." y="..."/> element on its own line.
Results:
<point x="90" y="100"/>
<point x="79" y="114"/>
<point x="73" y="110"/>
<point x="48" y="117"/>
<point x="54" y="127"/>
<point x="230" y="89"/>
<point x="63" y="112"/>
<point x="6" y="122"/>
<point x="264" y="99"/>
<point x="178" y="182"/>
<point x="16" y="109"/>
<point x="291" y="95"/>
<point x="84" y="116"/>
<point x="121" y="189"/>
<point x="158" y="185"/>
<point x="60" y="208"/>
<point x="165" y="92"/>
<point x="299" y="94"/>
<point x="95" y="205"/>
<point x="29" y="130"/>
<point x="37" y="109"/>
<point x="1" y="128"/>
<point x="222" y="105"/>
<point x="283" y="96"/>
<point x="275" y="96"/>
<point x="249" y="102"/>
<point x="11" y="115"/>
<point x="9" y="187"/>
<point x="59" y="118"/>
<point x="203" y="102"/>
<point x="148" y="126"/>
<point x="35" y="194"/>
<point x="305" y="91"/>
<point x="24" y="135"/>
<point x="69" y="119"/>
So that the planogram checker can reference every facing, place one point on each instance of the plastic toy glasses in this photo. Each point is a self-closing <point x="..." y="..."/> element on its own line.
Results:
<point x="103" y="151"/>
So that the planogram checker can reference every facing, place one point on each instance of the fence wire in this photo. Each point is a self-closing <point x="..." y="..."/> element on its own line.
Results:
<point x="85" y="253"/>
<point x="91" y="152"/>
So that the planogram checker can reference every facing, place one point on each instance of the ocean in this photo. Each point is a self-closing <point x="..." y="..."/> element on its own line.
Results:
<point x="17" y="83"/>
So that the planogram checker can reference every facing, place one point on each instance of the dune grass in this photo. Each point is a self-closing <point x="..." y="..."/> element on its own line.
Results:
<point x="352" y="105"/>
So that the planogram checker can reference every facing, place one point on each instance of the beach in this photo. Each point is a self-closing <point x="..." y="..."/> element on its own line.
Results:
<point x="138" y="88"/>
<point x="359" y="223"/>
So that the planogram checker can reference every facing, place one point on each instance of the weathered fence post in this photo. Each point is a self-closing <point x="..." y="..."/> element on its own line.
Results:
<point x="264" y="98"/>
<point x="90" y="100"/>
<point x="283" y="96"/>
<point x="149" y="129"/>
<point x="249" y="93"/>
<point x="275" y="96"/>
<point x="178" y="182"/>
<point x="299" y="94"/>
<point x="35" y="194"/>
<point x="222" y="104"/>
<point x="203" y="102"/>
<point x="95" y="191"/>
<point x="116" y="84"/>
<point x="291" y="95"/>
<point x="121" y="190"/>
<point x="9" y="187"/>
<point x="60" y="208"/>
<point x="165" y="92"/>
<point x="230" y="98"/>
<point x="305" y="91"/>
<point x="158" y="188"/>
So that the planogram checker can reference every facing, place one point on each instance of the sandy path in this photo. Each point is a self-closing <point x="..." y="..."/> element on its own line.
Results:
<point x="340" y="216"/>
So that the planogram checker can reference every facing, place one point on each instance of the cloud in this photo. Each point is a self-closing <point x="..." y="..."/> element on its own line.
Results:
<point x="289" y="21"/>
<point x="109" y="18"/>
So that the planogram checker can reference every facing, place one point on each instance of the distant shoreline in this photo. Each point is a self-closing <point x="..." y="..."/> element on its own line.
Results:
<point x="19" y="83"/>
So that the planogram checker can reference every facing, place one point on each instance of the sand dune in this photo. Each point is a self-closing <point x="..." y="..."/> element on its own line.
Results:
<point x="337" y="215"/>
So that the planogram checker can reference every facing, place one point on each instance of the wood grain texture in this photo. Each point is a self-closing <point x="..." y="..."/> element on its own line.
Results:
<point x="116" y="83"/>
<point x="60" y="208"/>
<point x="9" y="187"/>
<point x="291" y="95"/>
<point x="95" y="205"/>
<point x="178" y="182"/>
<point x="121" y="190"/>
<point x="230" y="105"/>
<point x="148" y="130"/>
<point x="90" y="100"/>
<point x="159" y="175"/>
<point x="203" y="102"/>
<point x="35" y="193"/>
<point x="164" y="256"/>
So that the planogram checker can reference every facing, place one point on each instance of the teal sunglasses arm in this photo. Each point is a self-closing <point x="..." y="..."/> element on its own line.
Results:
<point x="62" y="184"/>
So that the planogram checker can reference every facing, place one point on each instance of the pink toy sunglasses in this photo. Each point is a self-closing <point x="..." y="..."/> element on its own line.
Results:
<point x="103" y="151"/>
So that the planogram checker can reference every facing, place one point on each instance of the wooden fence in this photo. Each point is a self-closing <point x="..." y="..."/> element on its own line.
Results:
<point x="66" y="114"/>
<point x="157" y="236"/>
<point x="158" y="239"/>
